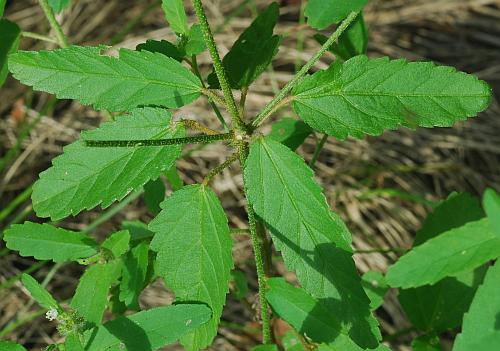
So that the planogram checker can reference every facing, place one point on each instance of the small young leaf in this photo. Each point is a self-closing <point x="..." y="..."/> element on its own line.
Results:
<point x="163" y="47"/>
<point x="83" y="177"/>
<point x="73" y="343"/>
<point x="9" y="345"/>
<point x="45" y="242"/>
<point x="449" y="254"/>
<point x="135" y="268"/>
<point x="195" y="43"/>
<point x="353" y="42"/>
<point x="491" y="203"/>
<point x="117" y="243"/>
<point x="147" y="330"/>
<point x="240" y="283"/>
<point x="265" y="348"/>
<point x="135" y="78"/>
<point x="322" y="14"/>
<point x="314" y="241"/>
<point x="58" y="5"/>
<point x="252" y="52"/>
<point x="39" y="293"/>
<point x="91" y="295"/>
<point x="175" y="15"/>
<point x="365" y="96"/>
<point x="375" y="287"/>
<point x="480" y="323"/>
<point x="10" y="34"/>
<point x="193" y="246"/>
<point x="138" y="230"/>
<point x="290" y="132"/>
<point x="154" y="194"/>
<point x="425" y="343"/>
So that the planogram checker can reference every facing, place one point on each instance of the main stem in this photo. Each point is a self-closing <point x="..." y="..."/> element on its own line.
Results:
<point x="49" y="13"/>
<point x="259" y="261"/>
<point x="270" y="107"/>
<point x="238" y="124"/>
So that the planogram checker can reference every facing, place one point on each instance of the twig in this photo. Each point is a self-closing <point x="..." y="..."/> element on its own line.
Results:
<point x="61" y="38"/>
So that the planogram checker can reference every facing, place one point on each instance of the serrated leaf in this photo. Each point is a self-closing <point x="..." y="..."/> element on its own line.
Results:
<point x="9" y="345"/>
<point x="135" y="78"/>
<point x="45" y="242"/>
<point x="39" y="293"/>
<point x="195" y="44"/>
<point x="491" y="203"/>
<point x="10" y="34"/>
<point x="426" y="343"/>
<point x="449" y="254"/>
<point x="321" y="14"/>
<point x="353" y="42"/>
<point x="154" y="194"/>
<point x="163" y="47"/>
<point x="439" y="307"/>
<point x="306" y="314"/>
<point x="252" y="52"/>
<point x="193" y="246"/>
<point x="83" y="177"/>
<point x="138" y="230"/>
<point x="134" y="271"/>
<point x="482" y="318"/>
<point x="375" y="287"/>
<point x="290" y="132"/>
<point x="117" y="243"/>
<point x="91" y="294"/>
<point x="175" y="15"/>
<point x="367" y="96"/>
<point x="314" y="241"/>
<point x="58" y="5"/>
<point x="147" y="330"/>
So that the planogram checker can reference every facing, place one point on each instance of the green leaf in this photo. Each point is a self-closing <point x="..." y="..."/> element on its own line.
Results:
<point x="252" y="52"/>
<point x="349" y="347"/>
<point x="314" y="241"/>
<point x="9" y="345"/>
<point x="353" y="42"/>
<point x="321" y="14"/>
<point x="265" y="348"/>
<point x="487" y="343"/>
<point x="449" y="254"/>
<point x="83" y="177"/>
<point x="367" y="96"/>
<point x="481" y="321"/>
<point x="195" y="43"/>
<point x="58" y="5"/>
<point x="138" y="230"/>
<point x="73" y="342"/>
<point x="91" y="294"/>
<point x="174" y="178"/>
<point x="306" y="314"/>
<point x="175" y="15"/>
<point x="154" y="194"/>
<point x="117" y="243"/>
<point x="10" y="35"/>
<point x="240" y="284"/>
<point x="290" y="132"/>
<point x="135" y="78"/>
<point x="134" y="271"/>
<point x="426" y="343"/>
<point x="375" y="287"/>
<point x="39" y="293"/>
<point x="291" y="342"/>
<point x="440" y="307"/>
<point x="2" y="7"/>
<point x="147" y="330"/>
<point x="45" y="242"/>
<point x="491" y="203"/>
<point x="163" y="47"/>
<point x="193" y="243"/>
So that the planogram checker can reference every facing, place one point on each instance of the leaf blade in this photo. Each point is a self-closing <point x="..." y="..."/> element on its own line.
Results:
<point x="175" y="15"/>
<point x="321" y="15"/>
<point x="39" y="293"/>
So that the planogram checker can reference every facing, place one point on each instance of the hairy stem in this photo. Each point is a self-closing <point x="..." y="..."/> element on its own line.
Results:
<point x="220" y="168"/>
<point x="39" y="37"/>
<point x="198" y="126"/>
<point x="47" y="10"/>
<point x="200" y="139"/>
<point x="259" y="262"/>
<point x="219" y="68"/>
<point x="303" y="71"/>
<point x="212" y="95"/>
<point x="317" y="151"/>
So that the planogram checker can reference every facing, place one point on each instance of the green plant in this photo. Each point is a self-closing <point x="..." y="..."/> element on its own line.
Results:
<point x="188" y="244"/>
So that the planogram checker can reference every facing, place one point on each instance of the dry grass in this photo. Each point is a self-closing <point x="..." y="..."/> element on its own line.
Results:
<point x="407" y="169"/>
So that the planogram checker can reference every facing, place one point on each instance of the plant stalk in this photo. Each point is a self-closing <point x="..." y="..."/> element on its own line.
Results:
<point x="49" y="13"/>
<point x="200" y="139"/>
<point x="266" y="112"/>
<point x="220" y="168"/>
<point x="317" y="151"/>
<point x="238" y="124"/>
<point x="39" y="37"/>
